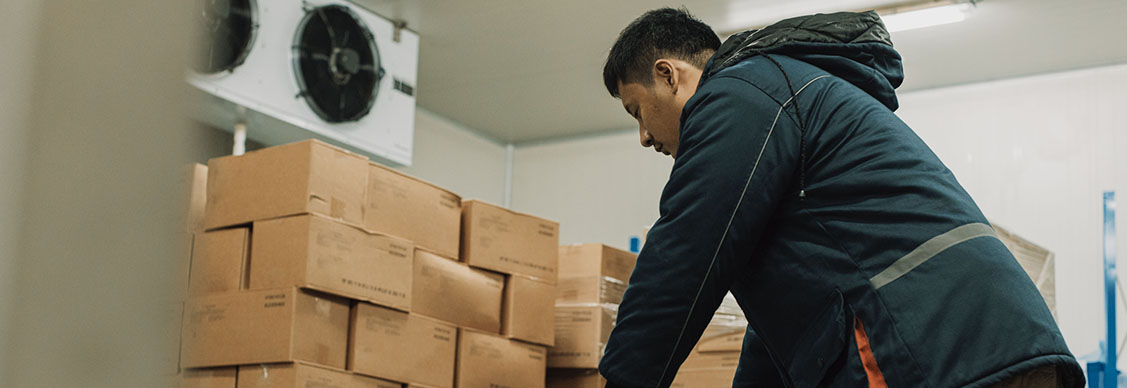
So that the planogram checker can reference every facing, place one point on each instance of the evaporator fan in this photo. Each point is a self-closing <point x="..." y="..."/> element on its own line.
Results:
<point x="336" y="63"/>
<point x="227" y="29"/>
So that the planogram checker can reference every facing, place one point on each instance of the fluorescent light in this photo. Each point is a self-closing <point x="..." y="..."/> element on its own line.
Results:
<point x="926" y="17"/>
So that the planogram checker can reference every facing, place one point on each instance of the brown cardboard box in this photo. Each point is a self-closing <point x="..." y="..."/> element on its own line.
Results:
<point x="219" y="260"/>
<point x="404" y="206"/>
<point x="195" y="181"/>
<point x="588" y="290"/>
<point x="264" y="326"/>
<point x="575" y="378"/>
<point x="303" y="375"/>
<point x="581" y="334"/>
<point x="320" y="253"/>
<point x="704" y="378"/>
<point x="596" y="260"/>
<point x="487" y="361"/>
<point x="403" y="347"/>
<point x="505" y="241"/>
<point x="454" y="292"/>
<point x="529" y="310"/>
<point x="297" y="178"/>
<point x="711" y="360"/>
<point x="208" y="378"/>
<point x="717" y="338"/>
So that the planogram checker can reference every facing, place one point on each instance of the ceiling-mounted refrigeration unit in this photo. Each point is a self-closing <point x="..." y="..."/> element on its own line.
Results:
<point x="325" y="69"/>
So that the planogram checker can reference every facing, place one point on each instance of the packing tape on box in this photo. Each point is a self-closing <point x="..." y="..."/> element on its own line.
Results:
<point x="610" y="290"/>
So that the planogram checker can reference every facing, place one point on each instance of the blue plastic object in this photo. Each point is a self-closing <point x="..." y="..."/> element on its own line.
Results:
<point x="1103" y="373"/>
<point x="635" y="244"/>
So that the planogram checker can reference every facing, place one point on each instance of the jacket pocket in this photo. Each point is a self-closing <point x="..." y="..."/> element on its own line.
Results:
<point x="821" y="344"/>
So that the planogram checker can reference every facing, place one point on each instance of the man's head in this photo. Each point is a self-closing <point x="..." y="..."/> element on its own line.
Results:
<point x="654" y="68"/>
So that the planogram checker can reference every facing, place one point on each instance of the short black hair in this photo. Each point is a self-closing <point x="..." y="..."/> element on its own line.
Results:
<point x="664" y="32"/>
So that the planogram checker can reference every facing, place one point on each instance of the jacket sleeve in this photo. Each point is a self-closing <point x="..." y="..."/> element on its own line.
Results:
<point x="737" y="158"/>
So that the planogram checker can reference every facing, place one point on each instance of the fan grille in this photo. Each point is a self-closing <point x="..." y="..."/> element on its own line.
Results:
<point x="226" y="33"/>
<point x="337" y="64"/>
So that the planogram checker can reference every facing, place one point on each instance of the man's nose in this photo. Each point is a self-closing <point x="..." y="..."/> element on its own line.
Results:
<point x="646" y="139"/>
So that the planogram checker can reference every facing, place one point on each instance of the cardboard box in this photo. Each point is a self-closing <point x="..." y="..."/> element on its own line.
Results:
<point x="317" y="252"/>
<point x="589" y="290"/>
<point x="487" y="360"/>
<point x="581" y="335"/>
<point x="297" y="178"/>
<point x="529" y="310"/>
<point x="1037" y="262"/>
<point x="596" y="260"/>
<point x="265" y="326"/>
<point x="219" y="260"/>
<point x="711" y="360"/>
<point x="408" y="207"/>
<point x="454" y="292"/>
<point x="208" y="378"/>
<point x="575" y="378"/>
<point x="195" y="183"/>
<point x="704" y="378"/>
<point x="403" y="347"/>
<point x="505" y="241"/>
<point x="303" y="375"/>
<point x="724" y="333"/>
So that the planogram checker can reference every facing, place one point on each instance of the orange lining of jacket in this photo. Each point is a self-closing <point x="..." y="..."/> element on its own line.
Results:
<point x="876" y="378"/>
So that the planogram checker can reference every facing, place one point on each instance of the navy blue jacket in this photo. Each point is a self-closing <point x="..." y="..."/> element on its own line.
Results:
<point x="833" y="224"/>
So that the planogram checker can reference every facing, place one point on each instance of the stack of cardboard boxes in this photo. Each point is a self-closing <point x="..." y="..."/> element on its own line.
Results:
<point x="591" y="284"/>
<point x="592" y="281"/>
<point x="316" y="267"/>
<point x="713" y="361"/>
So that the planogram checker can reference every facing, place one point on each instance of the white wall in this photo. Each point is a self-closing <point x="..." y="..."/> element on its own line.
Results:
<point x="1034" y="152"/>
<point x="15" y="109"/>
<point x="96" y="233"/>
<point x="600" y="188"/>
<point x="453" y="156"/>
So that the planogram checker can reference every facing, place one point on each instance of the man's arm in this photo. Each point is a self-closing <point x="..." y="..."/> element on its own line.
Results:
<point x="736" y="160"/>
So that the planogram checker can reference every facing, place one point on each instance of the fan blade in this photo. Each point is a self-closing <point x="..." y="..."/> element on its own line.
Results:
<point x="344" y="41"/>
<point x="328" y="26"/>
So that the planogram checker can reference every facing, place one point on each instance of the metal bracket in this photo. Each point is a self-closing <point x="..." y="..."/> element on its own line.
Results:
<point x="399" y="25"/>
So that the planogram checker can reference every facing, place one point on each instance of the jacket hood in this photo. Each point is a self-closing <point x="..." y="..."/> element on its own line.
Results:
<point x="853" y="46"/>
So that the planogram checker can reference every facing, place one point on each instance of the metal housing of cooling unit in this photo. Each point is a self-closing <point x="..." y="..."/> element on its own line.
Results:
<point x="302" y="77"/>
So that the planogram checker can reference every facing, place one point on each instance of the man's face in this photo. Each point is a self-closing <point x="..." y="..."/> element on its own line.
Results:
<point x="657" y="106"/>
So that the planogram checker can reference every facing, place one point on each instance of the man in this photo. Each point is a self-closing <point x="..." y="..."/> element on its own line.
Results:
<point x="856" y="255"/>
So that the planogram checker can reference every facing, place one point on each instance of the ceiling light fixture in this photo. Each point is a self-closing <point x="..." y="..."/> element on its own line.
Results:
<point x="930" y="14"/>
<point x="904" y="16"/>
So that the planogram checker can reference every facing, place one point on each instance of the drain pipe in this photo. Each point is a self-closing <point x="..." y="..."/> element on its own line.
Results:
<point x="509" y="175"/>
<point x="240" y="146"/>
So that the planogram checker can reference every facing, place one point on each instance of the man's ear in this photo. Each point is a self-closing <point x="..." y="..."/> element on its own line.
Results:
<point x="665" y="73"/>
